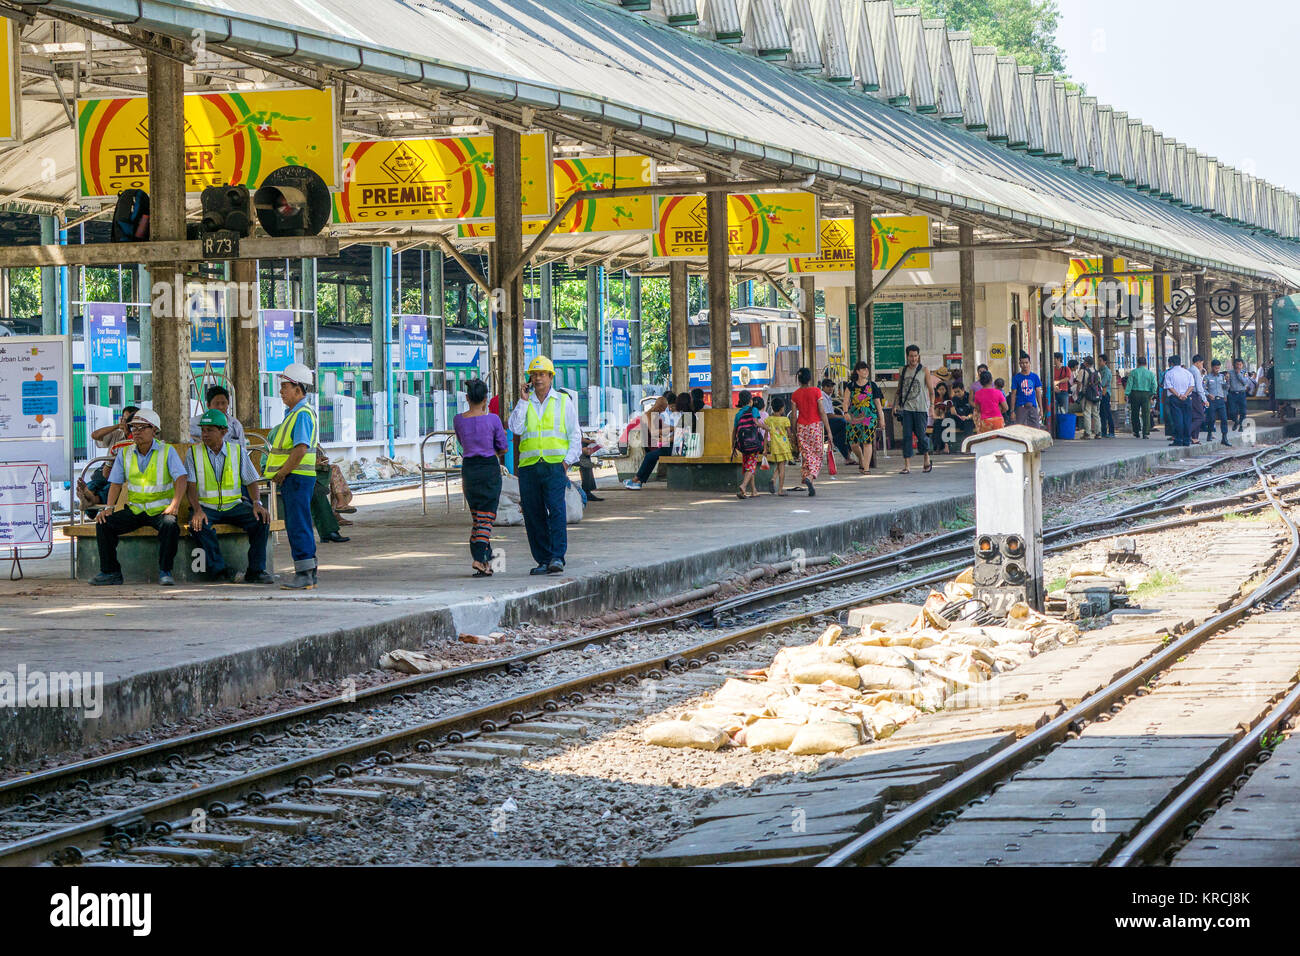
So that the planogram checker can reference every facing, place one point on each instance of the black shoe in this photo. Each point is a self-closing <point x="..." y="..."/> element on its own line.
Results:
<point x="228" y="575"/>
<point x="591" y="497"/>
<point x="260" y="577"/>
<point x="541" y="569"/>
<point x="301" y="581"/>
<point x="336" y="538"/>
<point x="103" y="578"/>
<point x="1225" y="443"/>
<point x="555" y="567"/>
<point x="812" y="492"/>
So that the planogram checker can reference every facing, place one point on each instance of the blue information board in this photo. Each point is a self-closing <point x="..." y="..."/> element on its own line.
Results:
<point x="41" y="397"/>
<point x="415" y="343"/>
<point x="206" y="310"/>
<point x="106" y="339"/>
<point x="277" y="339"/>
<point x="532" y="344"/>
<point x="620" y="343"/>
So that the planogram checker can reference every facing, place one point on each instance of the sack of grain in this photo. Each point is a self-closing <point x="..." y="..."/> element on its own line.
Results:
<point x="830" y="635"/>
<point x="789" y="657"/>
<point x="685" y="733"/>
<point x="794" y="709"/>
<point x="891" y="678"/>
<point x="721" y="719"/>
<point x="872" y="654"/>
<point x="771" y="733"/>
<point x="937" y="652"/>
<point x="826" y="737"/>
<point x="815" y="672"/>
<point x="891" y="616"/>
<point x="742" y="696"/>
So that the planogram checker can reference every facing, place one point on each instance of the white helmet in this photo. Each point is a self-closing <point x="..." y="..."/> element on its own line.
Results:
<point x="299" y="374"/>
<point x="146" y="415"/>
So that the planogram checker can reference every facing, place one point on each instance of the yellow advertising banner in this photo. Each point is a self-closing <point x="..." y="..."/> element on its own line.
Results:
<point x="623" y="215"/>
<point x="230" y="138"/>
<point x="891" y="237"/>
<point x="435" y="180"/>
<point x="488" y="230"/>
<point x="758" y="224"/>
<point x="1085" y="293"/>
<point x="11" y="121"/>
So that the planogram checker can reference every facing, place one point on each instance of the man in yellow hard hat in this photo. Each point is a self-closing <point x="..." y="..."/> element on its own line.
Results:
<point x="546" y="421"/>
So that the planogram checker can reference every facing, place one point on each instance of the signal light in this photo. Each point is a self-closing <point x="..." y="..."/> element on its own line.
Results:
<point x="293" y="201"/>
<point x="227" y="207"/>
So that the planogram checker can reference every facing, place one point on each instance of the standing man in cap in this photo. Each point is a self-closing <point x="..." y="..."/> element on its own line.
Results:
<point x="154" y="478"/>
<point x="218" y="470"/>
<point x="546" y="420"/>
<point x="291" y="464"/>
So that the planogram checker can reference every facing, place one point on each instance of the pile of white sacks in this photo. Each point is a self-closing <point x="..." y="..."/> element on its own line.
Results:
<point x="893" y="663"/>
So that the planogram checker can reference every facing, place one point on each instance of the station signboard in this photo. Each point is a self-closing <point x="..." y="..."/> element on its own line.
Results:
<point x="106" y="339"/>
<point x="436" y="180"/>
<point x="11" y="121"/>
<point x="758" y="224"/>
<point x="230" y="138"/>
<point x="277" y="339"/>
<point x="415" y="343"/>
<point x="891" y="237"/>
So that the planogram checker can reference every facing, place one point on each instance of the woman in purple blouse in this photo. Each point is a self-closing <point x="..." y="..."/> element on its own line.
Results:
<point x="483" y="444"/>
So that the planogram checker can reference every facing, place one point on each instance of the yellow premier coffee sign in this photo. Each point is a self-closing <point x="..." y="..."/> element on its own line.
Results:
<point x="1084" y="295"/>
<point x="622" y="215"/>
<point x="434" y="180"/>
<point x="758" y="224"/>
<point x="11" y="123"/>
<point x="230" y="138"/>
<point x="891" y="237"/>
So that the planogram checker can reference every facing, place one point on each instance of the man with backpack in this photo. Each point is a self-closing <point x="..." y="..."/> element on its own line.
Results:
<point x="1090" y="398"/>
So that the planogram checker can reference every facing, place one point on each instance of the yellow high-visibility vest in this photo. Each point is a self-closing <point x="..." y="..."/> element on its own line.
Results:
<point x="148" y="489"/>
<point x="282" y="444"/>
<point x="224" y="492"/>
<point x="544" y="437"/>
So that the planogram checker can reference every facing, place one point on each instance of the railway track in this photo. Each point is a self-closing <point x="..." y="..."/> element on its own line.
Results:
<point x="1030" y="801"/>
<point x="123" y="799"/>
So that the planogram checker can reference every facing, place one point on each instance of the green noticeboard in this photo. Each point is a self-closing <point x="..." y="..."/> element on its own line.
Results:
<point x="853" y="336"/>
<point x="887" y="331"/>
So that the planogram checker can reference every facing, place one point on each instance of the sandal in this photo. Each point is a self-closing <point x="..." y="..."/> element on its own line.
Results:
<point x="740" y="495"/>
<point x="928" y="468"/>
<point x="481" y="570"/>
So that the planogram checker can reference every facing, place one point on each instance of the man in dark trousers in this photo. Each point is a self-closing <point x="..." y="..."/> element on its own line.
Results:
<point x="546" y="421"/>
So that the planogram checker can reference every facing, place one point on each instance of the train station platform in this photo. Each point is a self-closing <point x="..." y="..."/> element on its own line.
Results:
<point x="403" y="581"/>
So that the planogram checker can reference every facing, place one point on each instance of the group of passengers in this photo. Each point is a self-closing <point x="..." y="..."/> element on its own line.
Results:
<point x="147" y="482"/>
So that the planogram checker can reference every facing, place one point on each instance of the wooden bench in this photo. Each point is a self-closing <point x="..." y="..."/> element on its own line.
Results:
<point x="137" y="551"/>
<point x="715" y="469"/>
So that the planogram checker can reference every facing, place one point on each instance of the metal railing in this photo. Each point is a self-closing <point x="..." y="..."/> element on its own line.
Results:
<point x="446" y="469"/>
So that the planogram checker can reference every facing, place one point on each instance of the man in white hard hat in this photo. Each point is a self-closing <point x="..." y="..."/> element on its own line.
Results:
<point x="153" y="476"/>
<point x="546" y="421"/>
<point x="291" y="464"/>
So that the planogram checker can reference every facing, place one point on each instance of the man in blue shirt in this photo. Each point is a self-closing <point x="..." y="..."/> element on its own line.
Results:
<point x="147" y="483"/>
<point x="1028" y="389"/>
<point x="291" y="464"/>
<point x="1107" y="377"/>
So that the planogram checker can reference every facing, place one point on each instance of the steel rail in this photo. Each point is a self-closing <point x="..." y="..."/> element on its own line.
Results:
<point x="886" y="836"/>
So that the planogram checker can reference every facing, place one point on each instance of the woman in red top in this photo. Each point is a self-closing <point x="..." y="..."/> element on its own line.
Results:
<point x="810" y="424"/>
<point x="990" y="404"/>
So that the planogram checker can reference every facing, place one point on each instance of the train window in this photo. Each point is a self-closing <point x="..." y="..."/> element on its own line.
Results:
<point x="697" y="336"/>
<point x="367" y="385"/>
<point x="137" y="393"/>
<point x="115" y="396"/>
<point x="417" y="385"/>
<point x="92" y="393"/>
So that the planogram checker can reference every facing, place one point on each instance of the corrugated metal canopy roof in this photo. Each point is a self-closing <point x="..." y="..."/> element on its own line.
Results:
<point x="594" y="61"/>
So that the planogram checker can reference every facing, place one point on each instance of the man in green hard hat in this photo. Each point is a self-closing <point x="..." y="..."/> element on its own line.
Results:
<point x="224" y="488"/>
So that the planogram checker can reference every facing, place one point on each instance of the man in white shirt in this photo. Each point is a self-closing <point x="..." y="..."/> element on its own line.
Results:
<point x="546" y="421"/>
<point x="1199" y="402"/>
<point x="1180" y="385"/>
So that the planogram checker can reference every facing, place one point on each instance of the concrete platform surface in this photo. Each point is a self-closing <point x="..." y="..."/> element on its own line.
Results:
<point x="404" y="581"/>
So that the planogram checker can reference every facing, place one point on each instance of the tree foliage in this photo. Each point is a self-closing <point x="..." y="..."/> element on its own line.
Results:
<point x="1024" y="29"/>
